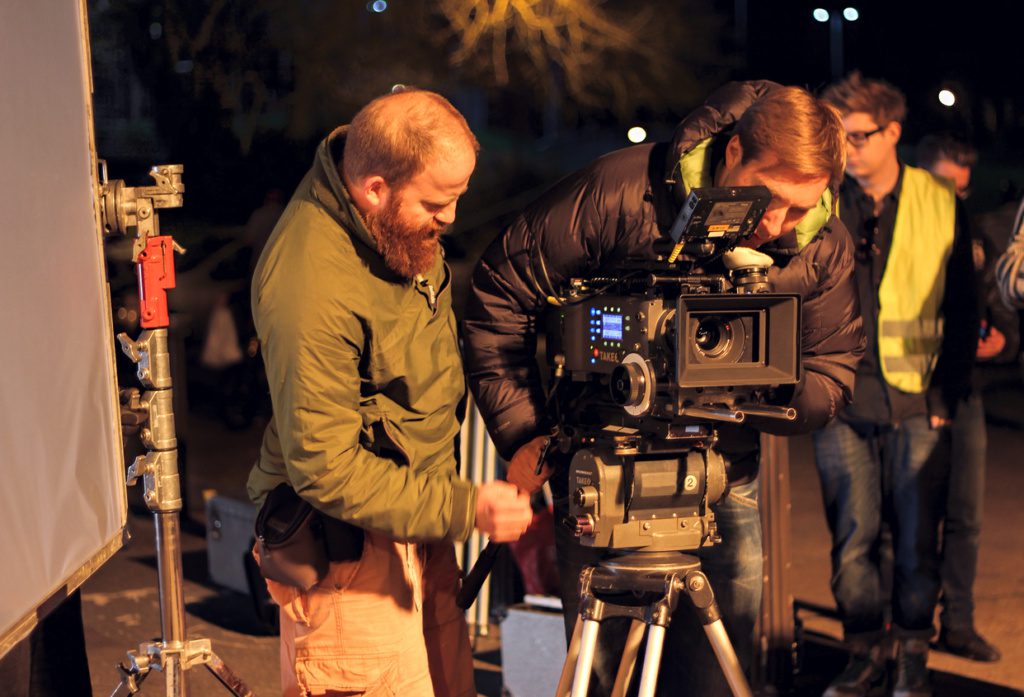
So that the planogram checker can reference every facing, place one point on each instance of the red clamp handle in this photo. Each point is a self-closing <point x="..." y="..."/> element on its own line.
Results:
<point x="155" y="269"/>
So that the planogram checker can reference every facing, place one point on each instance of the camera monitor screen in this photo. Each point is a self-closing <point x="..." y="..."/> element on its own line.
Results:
<point x="611" y="327"/>
<point x="62" y="503"/>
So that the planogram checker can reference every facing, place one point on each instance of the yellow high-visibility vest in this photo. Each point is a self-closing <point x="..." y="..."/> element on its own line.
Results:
<point x="914" y="283"/>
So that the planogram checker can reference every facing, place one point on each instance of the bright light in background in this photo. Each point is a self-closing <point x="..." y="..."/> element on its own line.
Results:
<point x="377" y="6"/>
<point x="821" y="15"/>
<point x="851" y="14"/>
<point x="636" y="134"/>
<point x="947" y="98"/>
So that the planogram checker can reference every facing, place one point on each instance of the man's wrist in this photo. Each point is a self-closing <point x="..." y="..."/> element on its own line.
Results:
<point x="510" y="435"/>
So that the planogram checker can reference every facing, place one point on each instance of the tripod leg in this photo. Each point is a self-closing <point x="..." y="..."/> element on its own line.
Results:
<point x="652" y="661"/>
<point x="699" y="590"/>
<point x="628" y="662"/>
<point x="726" y="656"/>
<point x="585" y="663"/>
<point x="565" y="682"/>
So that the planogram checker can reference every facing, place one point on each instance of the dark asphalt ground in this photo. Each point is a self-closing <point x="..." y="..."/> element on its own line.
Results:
<point x="120" y="602"/>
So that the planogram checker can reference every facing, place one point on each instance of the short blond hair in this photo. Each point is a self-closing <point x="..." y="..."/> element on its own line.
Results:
<point x="804" y="133"/>
<point x="396" y="134"/>
<point x="882" y="101"/>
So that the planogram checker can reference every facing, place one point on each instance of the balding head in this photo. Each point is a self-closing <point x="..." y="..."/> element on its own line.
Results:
<point x="394" y="136"/>
<point x="408" y="159"/>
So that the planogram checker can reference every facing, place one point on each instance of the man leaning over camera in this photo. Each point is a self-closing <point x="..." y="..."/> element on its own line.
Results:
<point x="352" y="305"/>
<point x="619" y="207"/>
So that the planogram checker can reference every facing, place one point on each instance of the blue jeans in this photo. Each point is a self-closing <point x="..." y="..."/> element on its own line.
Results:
<point x="898" y="472"/>
<point x="688" y="665"/>
<point x="962" y="527"/>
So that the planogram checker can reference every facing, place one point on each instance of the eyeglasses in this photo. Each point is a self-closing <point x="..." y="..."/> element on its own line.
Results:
<point x="859" y="138"/>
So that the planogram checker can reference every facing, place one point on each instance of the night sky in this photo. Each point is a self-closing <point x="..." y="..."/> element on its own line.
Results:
<point x="974" y="48"/>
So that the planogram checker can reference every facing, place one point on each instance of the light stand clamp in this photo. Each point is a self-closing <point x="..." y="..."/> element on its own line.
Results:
<point x="124" y="207"/>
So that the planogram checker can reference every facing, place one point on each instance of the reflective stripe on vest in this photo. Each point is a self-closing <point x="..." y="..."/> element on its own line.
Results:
<point x="910" y="295"/>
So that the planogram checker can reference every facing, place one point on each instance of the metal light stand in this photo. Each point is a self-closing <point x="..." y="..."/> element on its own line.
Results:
<point x="670" y="574"/>
<point x="125" y="208"/>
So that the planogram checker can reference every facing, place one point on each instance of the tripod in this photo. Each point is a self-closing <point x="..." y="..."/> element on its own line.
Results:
<point x="664" y="573"/>
<point x="125" y="207"/>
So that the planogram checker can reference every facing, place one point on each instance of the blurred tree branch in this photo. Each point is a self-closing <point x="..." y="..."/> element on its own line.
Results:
<point x="299" y="67"/>
<point x="601" y="56"/>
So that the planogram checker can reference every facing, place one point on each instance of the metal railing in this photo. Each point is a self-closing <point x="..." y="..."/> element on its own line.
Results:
<point x="478" y="464"/>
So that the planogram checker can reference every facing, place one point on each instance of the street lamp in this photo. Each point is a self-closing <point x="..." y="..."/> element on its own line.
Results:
<point x="947" y="98"/>
<point x="835" y="27"/>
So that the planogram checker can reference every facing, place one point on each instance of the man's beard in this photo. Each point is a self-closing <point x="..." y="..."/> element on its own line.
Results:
<point x="407" y="250"/>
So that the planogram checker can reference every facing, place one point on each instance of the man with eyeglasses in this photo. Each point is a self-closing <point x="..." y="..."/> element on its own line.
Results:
<point x="886" y="456"/>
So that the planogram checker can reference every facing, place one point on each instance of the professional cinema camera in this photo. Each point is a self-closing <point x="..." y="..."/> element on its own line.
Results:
<point x="659" y="354"/>
<point x="648" y="363"/>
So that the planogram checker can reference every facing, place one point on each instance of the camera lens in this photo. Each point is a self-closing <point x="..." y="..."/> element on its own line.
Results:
<point x="709" y="334"/>
<point x="713" y="337"/>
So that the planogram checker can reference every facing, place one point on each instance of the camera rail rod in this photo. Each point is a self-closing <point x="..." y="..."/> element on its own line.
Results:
<point x="715" y="283"/>
<point x="124" y="208"/>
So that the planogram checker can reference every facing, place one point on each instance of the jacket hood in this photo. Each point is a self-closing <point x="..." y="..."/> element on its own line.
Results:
<point x="330" y="192"/>
<point x="719" y="113"/>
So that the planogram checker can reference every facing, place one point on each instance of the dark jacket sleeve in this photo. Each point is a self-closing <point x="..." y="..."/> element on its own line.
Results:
<point x="570" y="231"/>
<point x="951" y="381"/>
<point x="832" y="333"/>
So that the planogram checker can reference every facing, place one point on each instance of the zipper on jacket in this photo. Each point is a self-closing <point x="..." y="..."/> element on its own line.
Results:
<point x="427" y="287"/>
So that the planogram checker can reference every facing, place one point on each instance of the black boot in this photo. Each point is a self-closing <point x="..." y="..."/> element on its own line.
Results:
<point x="864" y="671"/>
<point x="912" y="669"/>
<point x="969" y="644"/>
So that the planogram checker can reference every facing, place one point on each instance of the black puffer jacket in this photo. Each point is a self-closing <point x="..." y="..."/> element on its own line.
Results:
<point x="616" y="208"/>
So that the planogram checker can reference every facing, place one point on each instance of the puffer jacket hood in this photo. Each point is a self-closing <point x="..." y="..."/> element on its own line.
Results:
<point x="718" y="113"/>
<point x="619" y="207"/>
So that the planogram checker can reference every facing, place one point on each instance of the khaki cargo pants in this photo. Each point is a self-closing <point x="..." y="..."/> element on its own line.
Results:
<point x="384" y="625"/>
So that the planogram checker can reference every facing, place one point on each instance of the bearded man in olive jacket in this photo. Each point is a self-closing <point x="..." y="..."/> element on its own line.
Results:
<point x="620" y="207"/>
<point x="352" y="305"/>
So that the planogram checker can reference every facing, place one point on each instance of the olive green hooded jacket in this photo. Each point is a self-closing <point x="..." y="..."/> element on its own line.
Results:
<point x="364" y="371"/>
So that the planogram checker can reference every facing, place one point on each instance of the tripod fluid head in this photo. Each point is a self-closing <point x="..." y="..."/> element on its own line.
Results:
<point x="631" y="495"/>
